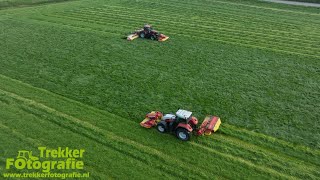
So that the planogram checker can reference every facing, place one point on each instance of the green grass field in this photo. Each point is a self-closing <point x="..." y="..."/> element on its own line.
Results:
<point x="68" y="78"/>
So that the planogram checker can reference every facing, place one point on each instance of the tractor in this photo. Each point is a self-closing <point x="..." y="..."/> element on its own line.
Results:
<point x="149" y="33"/>
<point x="182" y="124"/>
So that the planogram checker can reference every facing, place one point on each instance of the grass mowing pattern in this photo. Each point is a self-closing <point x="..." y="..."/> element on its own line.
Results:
<point x="231" y="153"/>
<point x="254" y="65"/>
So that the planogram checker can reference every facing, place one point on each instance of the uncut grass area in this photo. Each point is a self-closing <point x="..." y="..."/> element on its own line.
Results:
<point x="66" y="67"/>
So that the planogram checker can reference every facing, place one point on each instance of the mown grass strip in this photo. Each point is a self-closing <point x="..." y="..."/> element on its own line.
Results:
<point x="208" y="26"/>
<point x="227" y="156"/>
<point x="227" y="13"/>
<point x="263" y="45"/>
<point x="245" y="11"/>
<point x="231" y="23"/>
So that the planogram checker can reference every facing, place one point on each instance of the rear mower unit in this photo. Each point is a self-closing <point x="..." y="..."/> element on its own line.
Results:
<point x="182" y="124"/>
<point x="149" y="33"/>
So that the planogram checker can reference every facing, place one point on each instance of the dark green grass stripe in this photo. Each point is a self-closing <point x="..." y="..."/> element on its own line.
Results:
<point x="238" y="41"/>
<point x="204" y="29"/>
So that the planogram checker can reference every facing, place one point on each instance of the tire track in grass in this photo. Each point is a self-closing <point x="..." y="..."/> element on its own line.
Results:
<point x="261" y="140"/>
<point x="21" y="137"/>
<point x="297" y="163"/>
<point x="260" y="156"/>
<point x="231" y="39"/>
<point x="248" y="163"/>
<point x="111" y="136"/>
<point x="210" y="28"/>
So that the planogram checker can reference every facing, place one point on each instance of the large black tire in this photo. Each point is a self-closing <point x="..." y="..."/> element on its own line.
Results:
<point x="183" y="134"/>
<point x="153" y="37"/>
<point x="142" y="35"/>
<point x="161" y="128"/>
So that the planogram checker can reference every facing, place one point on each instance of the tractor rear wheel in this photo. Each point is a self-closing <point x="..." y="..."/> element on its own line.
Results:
<point x="183" y="134"/>
<point x="161" y="128"/>
<point x="142" y="35"/>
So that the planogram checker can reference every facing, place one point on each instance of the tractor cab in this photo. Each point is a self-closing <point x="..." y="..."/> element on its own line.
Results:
<point x="183" y="115"/>
<point x="147" y="28"/>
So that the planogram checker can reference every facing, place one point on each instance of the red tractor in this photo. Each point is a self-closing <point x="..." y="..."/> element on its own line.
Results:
<point x="147" y="32"/>
<point x="182" y="124"/>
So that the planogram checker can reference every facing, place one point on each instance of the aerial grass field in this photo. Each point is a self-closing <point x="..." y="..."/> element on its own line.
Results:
<point x="68" y="78"/>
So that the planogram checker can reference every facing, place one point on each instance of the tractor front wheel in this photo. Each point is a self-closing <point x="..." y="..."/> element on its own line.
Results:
<point x="183" y="134"/>
<point x="153" y="38"/>
<point x="161" y="128"/>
